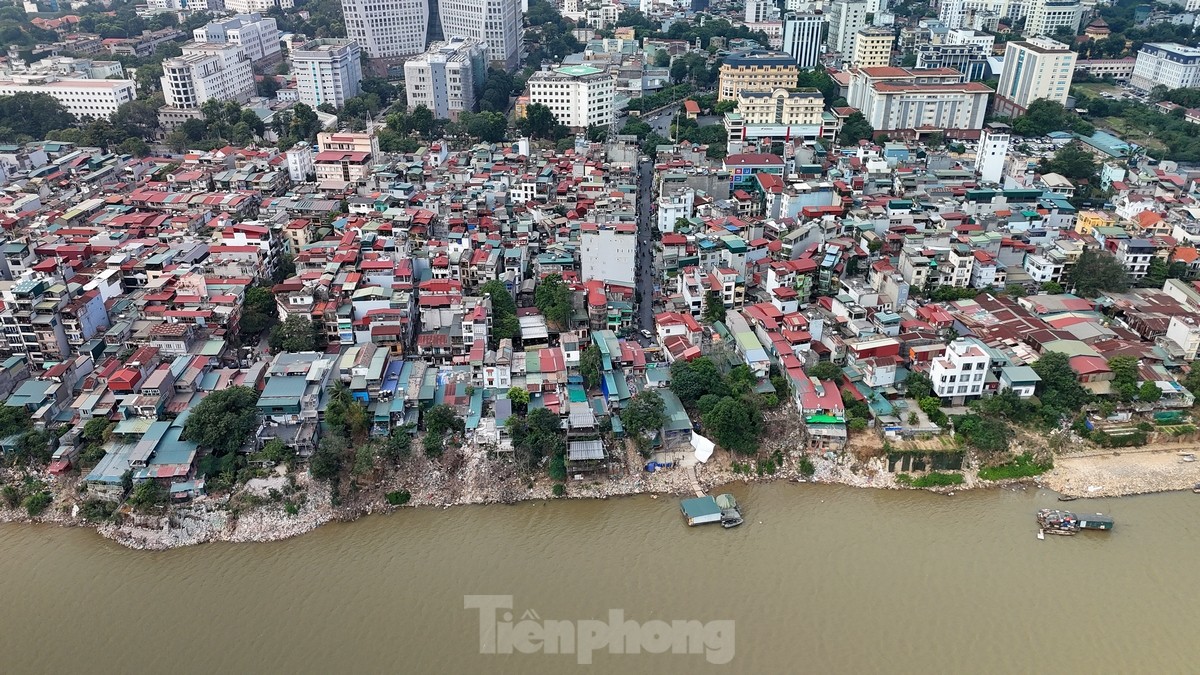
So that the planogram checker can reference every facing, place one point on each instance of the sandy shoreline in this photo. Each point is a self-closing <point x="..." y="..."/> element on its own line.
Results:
<point x="208" y="519"/>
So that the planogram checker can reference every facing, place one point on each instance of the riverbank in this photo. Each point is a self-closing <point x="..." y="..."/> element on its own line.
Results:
<point x="255" y="513"/>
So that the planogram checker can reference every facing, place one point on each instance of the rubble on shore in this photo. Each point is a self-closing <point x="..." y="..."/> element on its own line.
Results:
<point x="480" y="480"/>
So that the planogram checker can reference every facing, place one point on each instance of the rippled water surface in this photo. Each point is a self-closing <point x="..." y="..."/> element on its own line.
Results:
<point x="819" y="580"/>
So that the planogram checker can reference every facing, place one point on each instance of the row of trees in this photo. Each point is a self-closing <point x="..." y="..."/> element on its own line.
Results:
<point x="727" y="405"/>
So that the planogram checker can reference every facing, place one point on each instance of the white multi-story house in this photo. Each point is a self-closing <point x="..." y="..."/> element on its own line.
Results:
<point x="82" y="98"/>
<point x="247" y="6"/>
<point x="579" y="96"/>
<point x="257" y="35"/>
<point x="446" y="78"/>
<point x="1172" y="65"/>
<point x="674" y="205"/>
<point x="300" y="162"/>
<point x="959" y="374"/>
<point x="495" y="23"/>
<point x="207" y="71"/>
<point x="327" y="71"/>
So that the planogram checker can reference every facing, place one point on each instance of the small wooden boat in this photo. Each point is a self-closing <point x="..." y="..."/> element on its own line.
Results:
<point x="731" y="522"/>
<point x="1067" y="498"/>
<point x="1196" y="488"/>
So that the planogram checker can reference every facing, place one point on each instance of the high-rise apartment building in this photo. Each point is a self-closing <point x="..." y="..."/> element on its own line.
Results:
<point x="446" y="78"/>
<point x="257" y="35"/>
<point x="327" y="71"/>
<point x="846" y="17"/>
<point x="496" y="23"/>
<point x="1034" y="69"/>
<point x="579" y="96"/>
<point x="952" y="13"/>
<point x="872" y="48"/>
<point x="802" y="38"/>
<point x="387" y="30"/>
<point x="757" y="70"/>
<point x="1172" y="65"/>
<point x="207" y="71"/>
<point x="1045" y="17"/>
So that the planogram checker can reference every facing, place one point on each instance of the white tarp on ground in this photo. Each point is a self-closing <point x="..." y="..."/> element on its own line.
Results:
<point x="703" y="446"/>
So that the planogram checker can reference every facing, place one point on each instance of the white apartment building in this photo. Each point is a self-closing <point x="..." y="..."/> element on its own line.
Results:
<point x="965" y="36"/>
<point x="608" y="252"/>
<point x="1172" y="65"/>
<point x="802" y="38"/>
<point x="327" y="71"/>
<point x="1034" y="69"/>
<point x="952" y="13"/>
<point x="872" y="48"/>
<point x="761" y="11"/>
<point x="992" y="152"/>
<point x="255" y="34"/>
<point x="387" y="29"/>
<point x="252" y="6"/>
<point x="82" y="98"/>
<point x="207" y="71"/>
<point x="897" y="99"/>
<point x="579" y="96"/>
<point x="446" y="78"/>
<point x="1047" y="16"/>
<point x="300" y="162"/>
<point x="64" y="67"/>
<point x="496" y="23"/>
<point x="960" y="373"/>
<point x="846" y="17"/>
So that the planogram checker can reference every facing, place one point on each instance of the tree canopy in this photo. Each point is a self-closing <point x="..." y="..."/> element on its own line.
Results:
<point x="28" y="117"/>
<point x="553" y="299"/>
<point x="734" y="424"/>
<point x="296" y="334"/>
<point x="504" y="313"/>
<point x="223" y="420"/>
<point x="1096" y="272"/>
<point x="1044" y="115"/>
<point x="855" y="129"/>
<point x="644" y="413"/>
<point x="691" y="380"/>
<point x="1058" y="390"/>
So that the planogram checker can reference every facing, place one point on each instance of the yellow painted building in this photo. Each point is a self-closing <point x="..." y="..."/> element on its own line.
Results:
<point x="756" y="71"/>
<point x="1090" y="220"/>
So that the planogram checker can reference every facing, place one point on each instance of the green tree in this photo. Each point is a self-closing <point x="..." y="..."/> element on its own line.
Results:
<point x="589" y="366"/>
<point x="645" y="413"/>
<point x="1052" y="287"/>
<point x="258" y="311"/>
<point x="1072" y="161"/>
<point x="36" y="503"/>
<point x="147" y="494"/>
<point x="536" y="436"/>
<point x="553" y="300"/>
<point x="27" y="117"/>
<point x="276" y="451"/>
<point x="734" y="424"/>
<point x="398" y="444"/>
<point x="1098" y="271"/>
<point x="97" y="430"/>
<point x="918" y="385"/>
<point x="296" y="334"/>
<point x="539" y="122"/>
<point x="714" y="307"/>
<point x="1044" y="116"/>
<point x="1059" y="390"/>
<point x="504" y="312"/>
<point x="519" y="397"/>
<point x="223" y="420"/>
<point x="1149" y="392"/>
<point x="826" y="370"/>
<point x="326" y="460"/>
<point x="690" y="380"/>
<point x="441" y="419"/>
<point x="1125" y="377"/>
<point x="855" y="129"/>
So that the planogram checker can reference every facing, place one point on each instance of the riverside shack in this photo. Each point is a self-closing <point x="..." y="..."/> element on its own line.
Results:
<point x="700" y="510"/>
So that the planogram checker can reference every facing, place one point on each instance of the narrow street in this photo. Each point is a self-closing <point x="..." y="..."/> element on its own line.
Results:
<point x="645" y="257"/>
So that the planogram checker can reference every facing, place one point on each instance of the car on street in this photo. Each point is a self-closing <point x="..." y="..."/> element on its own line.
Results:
<point x="645" y="333"/>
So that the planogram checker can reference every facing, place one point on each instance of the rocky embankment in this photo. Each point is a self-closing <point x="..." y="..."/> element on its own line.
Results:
<point x="1116" y="474"/>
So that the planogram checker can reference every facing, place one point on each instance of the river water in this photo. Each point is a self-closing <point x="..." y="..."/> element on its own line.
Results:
<point x="820" y="579"/>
